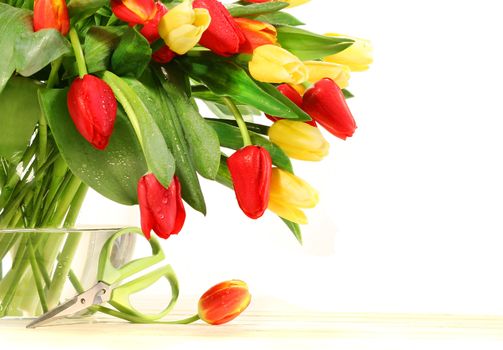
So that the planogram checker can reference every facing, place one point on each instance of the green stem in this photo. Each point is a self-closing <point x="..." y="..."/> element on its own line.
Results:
<point x="64" y="200"/>
<point x="75" y="282"/>
<point x="43" y="270"/>
<point x="239" y="119"/>
<point x="79" y="54"/>
<point x="138" y="319"/>
<point x="69" y="249"/>
<point x="37" y="277"/>
<point x="42" y="122"/>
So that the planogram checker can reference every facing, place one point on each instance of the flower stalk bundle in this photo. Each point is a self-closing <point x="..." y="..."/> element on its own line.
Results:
<point x="103" y="95"/>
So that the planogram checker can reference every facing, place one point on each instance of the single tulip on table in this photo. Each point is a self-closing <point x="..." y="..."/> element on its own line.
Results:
<point x="224" y="302"/>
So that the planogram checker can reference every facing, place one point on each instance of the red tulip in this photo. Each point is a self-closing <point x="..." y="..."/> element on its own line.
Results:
<point x="295" y="97"/>
<point x="163" y="55"/>
<point x="93" y="108"/>
<point x="223" y="36"/>
<point x="150" y="28"/>
<point x="150" y="31"/>
<point x="224" y="302"/>
<point x="134" y="11"/>
<point x="326" y="104"/>
<point x="256" y="33"/>
<point x="250" y="169"/>
<point x="51" y="14"/>
<point x="161" y="208"/>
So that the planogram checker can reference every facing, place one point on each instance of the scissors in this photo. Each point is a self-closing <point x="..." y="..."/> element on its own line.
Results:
<point x="108" y="290"/>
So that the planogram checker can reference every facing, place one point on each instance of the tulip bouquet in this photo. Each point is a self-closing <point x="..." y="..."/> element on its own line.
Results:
<point x="102" y="94"/>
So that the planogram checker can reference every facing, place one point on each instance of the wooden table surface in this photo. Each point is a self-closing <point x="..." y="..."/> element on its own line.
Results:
<point x="263" y="330"/>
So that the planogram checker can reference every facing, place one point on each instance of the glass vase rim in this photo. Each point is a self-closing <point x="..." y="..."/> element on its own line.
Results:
<point x="83" y="229"/>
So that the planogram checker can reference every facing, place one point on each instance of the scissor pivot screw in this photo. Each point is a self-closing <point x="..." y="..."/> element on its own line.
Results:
<point x="82" y="301"/>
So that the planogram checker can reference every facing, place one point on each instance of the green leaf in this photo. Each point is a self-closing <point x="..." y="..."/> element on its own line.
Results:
<point x="19" y="114"/>
<point x="132" y="55"/>
<point x="256" y="9"/>
<point x="159" y="159"/>
<point x="164" y="113"/>
<point x="226" y="78"/>
<point x="34" y="51"/>
<point x="230" y="137"/>
<point x="84" y="8"/>
<point x="279" y="18"/>
<point x="309" y="46"/>
<point x="256" y="128"/>
<point x="13" y="23"/>
<point x="113" y="172"/>
<point x="202" y="139"/>
<point x="222" y="111"/>
<point x="347" y="94"/>
<point x="99" y="46"/>
<point x="294" y="228"/>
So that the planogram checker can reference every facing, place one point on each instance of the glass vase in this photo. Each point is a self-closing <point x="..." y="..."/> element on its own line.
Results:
<point x="40" y="268"/>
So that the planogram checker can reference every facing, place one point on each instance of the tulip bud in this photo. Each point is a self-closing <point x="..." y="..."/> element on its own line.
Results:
<point x="292" y="95"/>
<point x="337" y="72"/>
<point x="250" y="169"/>
<point x="325" y="103"/>
<point x="223" y="35"/>
<point x="161" y="208"/>
<point x="51" y="14"/>
<point x="256" y="33"/>
<point x="291" y="2"/>
<point x="134" y="11"/>
<point x="150" y="29"/>
<point x="289" y="193"/>
<point x="93" y="108"/>
<point x="182" y="27"/>
<point x="163" y="55"/>
<point x="272" y="64"/>
<point x="224" y="302"/>
<point x="299" y="140"/>
<point x="357" y="57"/>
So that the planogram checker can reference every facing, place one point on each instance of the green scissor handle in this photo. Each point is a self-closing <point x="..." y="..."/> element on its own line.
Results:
<point x="121" y="295"/>
<point x="111" y="274"/>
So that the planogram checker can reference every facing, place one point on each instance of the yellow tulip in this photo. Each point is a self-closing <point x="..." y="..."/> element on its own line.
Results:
<point x="299" y="140"/>
<point x="288" y="193"/>
<point x="182" y="27"/>
<point x="337" y="72"/>
<point x="301" y="89"/>
<point x="357" y="57"/>
<point x="272" y="64"/>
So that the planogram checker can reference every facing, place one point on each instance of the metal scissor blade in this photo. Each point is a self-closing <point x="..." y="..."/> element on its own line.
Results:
<point x="96" y="295"/>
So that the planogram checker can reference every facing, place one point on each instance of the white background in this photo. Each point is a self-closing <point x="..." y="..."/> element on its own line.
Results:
<point x="410" y="215"/>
